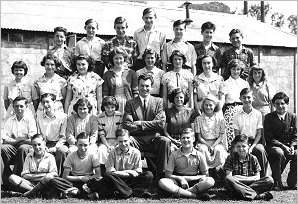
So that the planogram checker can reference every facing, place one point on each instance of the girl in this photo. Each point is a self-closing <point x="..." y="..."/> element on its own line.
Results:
<point x="50" y="83"/>
<point x="178" y="77"/>
<point x="109" y="121"/>
<point x="19" y="87"/>
<point x="150" y="56"/>
<point x="207" y="82"/>
<point x="92" y="46"/>
<point x="178" y="117"/>
<point x="82" y="121"/>
<point x="232" y="87"/>
<point x="210" y="130"/>
<point x="83" y="84"/>
<point x="120" y="81"/>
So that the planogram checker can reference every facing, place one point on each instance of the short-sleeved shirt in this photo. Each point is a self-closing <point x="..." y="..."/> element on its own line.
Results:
<point x="153" y="39"/>
<point x="232" y="89"/>
<point x="246" y="55"/>
<point x="179" y="120"/>
<point x="187" y="165"/>
<point x="82" y="167"/>
<point x="210" y="127"/>
<point x="248" y="124"/>
<point x="128" y="44"/>
<point x="213" y="85"/>
<point x="181" y="79"/>
<point x="54" y="86"/>
<point x="25" y="128"/>
<point x="185" y="47"/>
<point x="52" y="128"/>
<point x="90" y="48"/>
<point x="120" y="161"/>
<point x="249" y="167"/>
<point x="213" y="51"/>
<point x="157" y="76"/>
<point x="47" y="164"/>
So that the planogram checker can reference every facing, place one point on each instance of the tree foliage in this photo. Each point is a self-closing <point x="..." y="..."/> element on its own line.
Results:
<point x="277" y="19"/>
<point x="293" y="23"/>
<point x="212" y="6"/>
<point x="255" y="10"/>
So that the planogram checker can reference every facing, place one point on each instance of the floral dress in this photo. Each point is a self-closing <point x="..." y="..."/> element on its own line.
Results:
<point x="84" y="87"/>
<point x="54" y="86"/>
<point x="210" y="129"/>
<point x="24" y="89"/>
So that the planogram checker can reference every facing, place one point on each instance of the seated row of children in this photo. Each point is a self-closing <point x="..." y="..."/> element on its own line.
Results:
<point x="186" y="174"/>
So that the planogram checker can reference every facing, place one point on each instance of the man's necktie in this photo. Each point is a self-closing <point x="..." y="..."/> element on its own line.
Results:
<point x="145" y="108"/>
<point x="178" y="76"/>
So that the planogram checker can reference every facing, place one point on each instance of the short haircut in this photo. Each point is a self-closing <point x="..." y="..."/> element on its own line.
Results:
<point x="208" y="25"/>
<point x="179" y="54"/>
<point x="91" y="20"/>
<point x="245" y="91"/>
<point x="281" y="95"/>
<point x="122" y="132"/>
<point x="149" y="51"/>
<point x="115" y="51"/>
<point x="50" y="57"/>
<point x="20" y="65"/>
<point x="149" y="10"/>
<point x="213" y="99"/>
<point x="51" y="95"/>
<point x="179" y="22"/>
<point x="82" y="102"/>
<point x="20" y="98"/>
<point x="87" y="58"/>
<point x="83" y="136"/>
<point x="37" y="136"/>
<point x="199" y="64"/>
<point x="60" y="29"/>
<point x="250" y="77"/>
<point x="175" y="92"/>
<point x="145" y="77"/>
<point x="236" y="63"/>
<point x="234" y="31"/>
<point x="120" y="20"/>
<point x="187" y="131"/>
<point x="239" y="138"/>
<point x="109" y="100"/>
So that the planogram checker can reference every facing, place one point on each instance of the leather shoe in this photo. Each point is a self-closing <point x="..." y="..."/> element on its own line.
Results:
<point x="278" y="186"/>
<point x="264" y="196"/>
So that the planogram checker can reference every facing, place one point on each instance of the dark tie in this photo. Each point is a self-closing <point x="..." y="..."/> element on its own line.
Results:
<point x="283" y="120"/>
<point x="177" y="76"/>
<point x="145" y="108"/>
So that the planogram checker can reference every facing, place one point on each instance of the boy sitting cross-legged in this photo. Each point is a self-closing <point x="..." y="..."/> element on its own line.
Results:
<point x="81" y="166"/>
<point x="187" y="172"/>
<point x="243" y="173"/>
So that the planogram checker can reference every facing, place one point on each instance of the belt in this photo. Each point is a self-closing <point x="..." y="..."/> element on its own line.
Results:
<point x="233" y="104"/>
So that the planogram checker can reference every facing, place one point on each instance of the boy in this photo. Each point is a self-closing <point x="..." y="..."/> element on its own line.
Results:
<point x="124" y="171"/>
<point x="187" y="172"/>
<point x="178" y="43"/>
<point x="148" y="37"/>
<point x="238" y="51"/>
<point x="39" y="171"/>
<point x="248" y="121"/>
<point x="207" y="47"/>
<point x="243" y="174"/>
<point x="52" y="125"/>
<point x="120" y="40"/>
<point x="64" y="54"/>
<point x="18" y="130"/>
<point x="280" y="130"/>
<point x="80" y="165"/>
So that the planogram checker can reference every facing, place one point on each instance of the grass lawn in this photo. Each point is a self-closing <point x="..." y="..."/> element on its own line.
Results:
<point x="218" y="195"/>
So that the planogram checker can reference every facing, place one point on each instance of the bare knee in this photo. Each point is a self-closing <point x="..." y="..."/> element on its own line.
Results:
<point x="47" y="178"/>
<point x="14" y="180"/>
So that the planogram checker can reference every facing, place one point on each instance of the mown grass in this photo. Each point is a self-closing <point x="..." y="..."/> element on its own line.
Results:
<point x="218" y="195"/>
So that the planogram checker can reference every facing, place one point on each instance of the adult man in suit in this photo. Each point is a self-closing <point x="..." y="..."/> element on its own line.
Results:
<point x="280" y="133"/>
<point x="145" y="121"/>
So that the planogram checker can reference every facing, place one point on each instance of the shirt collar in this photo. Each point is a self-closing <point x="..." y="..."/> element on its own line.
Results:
<point x="153" y="29"/>
<point x="193" y="152"/>
<point x="281" y="116"/>
<point x="46" y="116"/>
<point x="142" y="99"/>
<point x="119" y="151"/>
<point x="46" y="154"/>
<point x="242" y="111"/>
<point x="213" y="77"/>
<point x="14" y="117"/>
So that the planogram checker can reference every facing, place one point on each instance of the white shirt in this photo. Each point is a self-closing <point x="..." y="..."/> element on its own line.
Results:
<point x="232" y="89"/>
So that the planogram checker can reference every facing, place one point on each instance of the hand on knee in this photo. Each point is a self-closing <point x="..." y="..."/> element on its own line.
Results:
<point x="47" y="178"/>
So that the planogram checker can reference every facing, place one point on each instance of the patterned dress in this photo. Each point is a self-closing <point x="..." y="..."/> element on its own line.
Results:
<point x="54" y="86"/>
<point x="210" y="129"/>
<point x="84" y="87"/>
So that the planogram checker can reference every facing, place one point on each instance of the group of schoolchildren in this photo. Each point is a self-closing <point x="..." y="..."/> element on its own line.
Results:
<point x="83" y="128"/>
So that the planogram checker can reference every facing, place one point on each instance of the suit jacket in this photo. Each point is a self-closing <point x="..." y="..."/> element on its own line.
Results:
<point x="152" y="123"/>
<point x="277" y="132"/>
